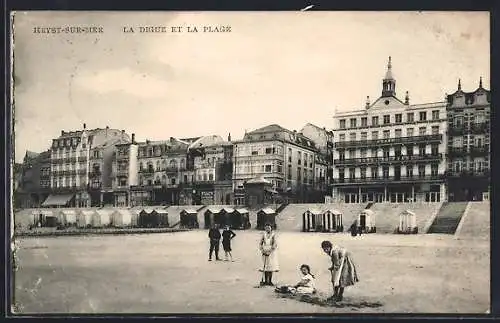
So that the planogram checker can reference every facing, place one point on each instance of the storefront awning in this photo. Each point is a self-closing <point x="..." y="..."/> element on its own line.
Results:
<point x="57" y="200"/>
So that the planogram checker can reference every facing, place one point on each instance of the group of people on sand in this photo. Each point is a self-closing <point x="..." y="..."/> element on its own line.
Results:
<point x="215" y="236"/>
<point x="343" y="269"/>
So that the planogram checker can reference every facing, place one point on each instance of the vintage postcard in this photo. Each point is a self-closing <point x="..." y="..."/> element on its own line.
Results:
<point x="251" y="162"/>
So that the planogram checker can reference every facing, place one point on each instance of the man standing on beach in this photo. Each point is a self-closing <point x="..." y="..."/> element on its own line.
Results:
<point x="214" y="236"/>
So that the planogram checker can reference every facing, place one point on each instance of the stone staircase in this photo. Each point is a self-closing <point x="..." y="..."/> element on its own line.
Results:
<point x="475" y="223"/>
<point x="448" y="218"/>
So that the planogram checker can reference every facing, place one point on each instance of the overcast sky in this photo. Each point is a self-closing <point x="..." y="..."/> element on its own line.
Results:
<point x="287" y="68"/>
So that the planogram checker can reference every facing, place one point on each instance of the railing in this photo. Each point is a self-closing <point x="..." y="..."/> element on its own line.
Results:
<point x="64" y="172"/>
<point x="456" y="130"/>
<point x="390" y="159"/>
<point x="147" y="170"/>
<point x="480" y="127"/>
<point x="467" y="173"/>
<point x="478" y="151"/>
<point x="390" y="141"/>
<point x="391" y="179"/>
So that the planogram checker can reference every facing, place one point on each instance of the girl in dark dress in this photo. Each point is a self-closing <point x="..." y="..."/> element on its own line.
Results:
<point x="227" y="235"/>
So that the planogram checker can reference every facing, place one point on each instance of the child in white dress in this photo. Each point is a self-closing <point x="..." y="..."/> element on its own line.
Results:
<point x="305" y="286"/>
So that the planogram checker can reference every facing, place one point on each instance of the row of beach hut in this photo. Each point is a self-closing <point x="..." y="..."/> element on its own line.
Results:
<point x="332" y="221"/>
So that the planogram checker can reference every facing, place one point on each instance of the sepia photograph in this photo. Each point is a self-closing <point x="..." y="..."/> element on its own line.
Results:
<point x="307" y="162"/>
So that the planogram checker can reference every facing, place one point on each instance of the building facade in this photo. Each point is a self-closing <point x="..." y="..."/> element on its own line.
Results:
<point x="390" y="151"/>
<point x="34" y="180"/>
<point x="469" y="138"/>
<point x="77" y="160"/>
<point x="283" y="157"/>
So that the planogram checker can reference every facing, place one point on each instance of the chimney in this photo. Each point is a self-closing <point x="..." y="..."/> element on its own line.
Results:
<point x="229" y="137"/>
<point x="367" y="105"/>
<point x="133" y="138"/>
<point x="84" y="126"/>
<point x="62" y="132"/>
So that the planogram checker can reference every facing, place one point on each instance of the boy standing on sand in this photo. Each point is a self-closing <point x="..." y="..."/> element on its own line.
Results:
<point x="214" y="236"/>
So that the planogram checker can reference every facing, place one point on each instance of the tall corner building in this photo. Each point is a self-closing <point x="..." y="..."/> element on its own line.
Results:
<point x="468" y="174"/>
<point x="390" y="150"/>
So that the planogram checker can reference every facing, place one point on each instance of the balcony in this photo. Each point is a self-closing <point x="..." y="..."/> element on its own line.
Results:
<point x="466" y="173"/>
<point x="147" y="170"/>
<point x="64" y="172"/>
<point x="480" y="128"/>
<point x="428" y="139"/>
<point x="389" y="160"/>
<point x="390" y="179"/>
<point x="95" y="174"/>
<point x="456" y="130"/>
<point x="479" y="151"/>
<point x="457" y="151"/>
<point x="122" y="173"/>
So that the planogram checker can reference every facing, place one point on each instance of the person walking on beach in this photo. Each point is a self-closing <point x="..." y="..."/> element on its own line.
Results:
<point x="214" y="236"/>
<point x="227" y="236"/>
<point x="343" y="269"/>
<point x="268" y="246"/>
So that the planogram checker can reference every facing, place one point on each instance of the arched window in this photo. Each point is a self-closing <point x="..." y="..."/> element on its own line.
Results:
<point x="150" y="167"/>
<point x="158" y="166"/>
<point x="173" y="163"/>
<point x="164" y="165"/>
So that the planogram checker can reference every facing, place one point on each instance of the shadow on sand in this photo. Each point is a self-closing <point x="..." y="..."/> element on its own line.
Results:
<point x="321" y="300"/>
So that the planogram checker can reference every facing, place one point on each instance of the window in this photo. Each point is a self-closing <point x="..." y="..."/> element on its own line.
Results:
<point x="352" y="122"/>
<point x="479" y="118"/>
<point x="458" y="166"/>
<point x="421" y="171"/>
<point x="435" y="130"/>
<point x="421" y="149"/>
<point x="374" y="172"/>
<point x="409" y="132"/>
<point x="280" y="167"/>
<point x="352" y="153"/>
<point x="342" y="154"/>
<point x="352" y="173"/>
<point x="364" y="122"/>
<point x="342" y="137"/>
<point x="185" y="179"/>
<point x="363" y="172"/>
<point x="255" y="152"/>
<point x="269" y="150"/>
<point x="397" y="151"/>
<point x="397" y="133"/>
<point x="410" y="117"/>
<point x="341" y="174"/>
<point x="423" y="116"/>
<point x="434" y="169"/>
<point x="434" y="149"/>
<point x="374" y="121"/>
<point x="409" y="171"/>
<point x="268" y="168"/>
<point x="457" y="142"/>
<point x="435" y="115"/>
<point x="458" y="121"/>
<point x="385" y="172"/>
<point x="374" y="135"/>
<point x="299" y="161"/>
<point x="299" y="174"/>
<point x="422" y="131"/>
<point x="289" y="175"/>
<point x="363" y="152"/>
<point x="386" y="153"/>
<point x="387" y="119"/>
<point x="374" y="152"/>
<point x="290" y="155"/>
<point x="352" y="136"/>
<point x="399" y="118"/>
<point x="342" y="124"/>
<point x="387" y="134"/>
<point x="364" y="135"/>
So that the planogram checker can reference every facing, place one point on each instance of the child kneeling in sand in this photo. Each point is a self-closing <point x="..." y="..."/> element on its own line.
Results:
<point x="304" y="287"/>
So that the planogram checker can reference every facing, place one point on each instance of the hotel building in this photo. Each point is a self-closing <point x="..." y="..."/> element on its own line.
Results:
<point x="468" y="174"/>
<point x="80" y="165"/>
<point x="391" y="150"/>
<point x="285" y="158"/>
